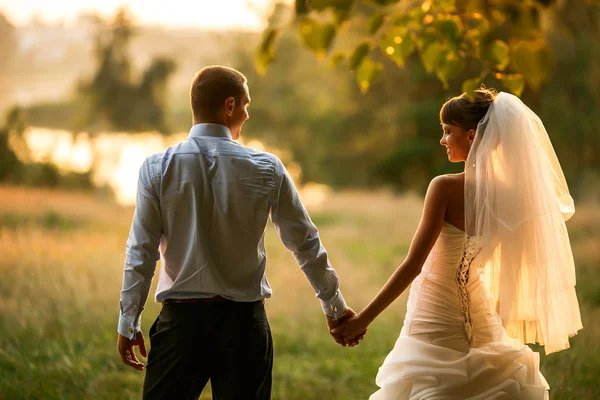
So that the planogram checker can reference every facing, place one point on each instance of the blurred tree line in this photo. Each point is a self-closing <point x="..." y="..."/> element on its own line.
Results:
<point x="16" y="168"/>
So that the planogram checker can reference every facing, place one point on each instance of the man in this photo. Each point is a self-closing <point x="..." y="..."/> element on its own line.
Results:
<point x="205" y="203"/>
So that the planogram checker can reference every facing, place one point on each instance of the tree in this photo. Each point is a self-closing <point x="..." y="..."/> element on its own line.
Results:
<point x="570" y="103"/>
<point x="112" y="93"/>
<point x="499" y="41"/>
<point x="10" y="165"/>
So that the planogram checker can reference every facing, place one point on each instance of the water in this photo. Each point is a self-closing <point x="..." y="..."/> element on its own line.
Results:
<point x="114" y="158"/>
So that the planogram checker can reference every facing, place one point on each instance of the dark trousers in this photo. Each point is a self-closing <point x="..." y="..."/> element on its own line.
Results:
<point x="229" y="343"/>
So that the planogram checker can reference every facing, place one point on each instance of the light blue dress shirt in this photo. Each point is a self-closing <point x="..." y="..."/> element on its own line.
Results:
<point x="202" y="209"/>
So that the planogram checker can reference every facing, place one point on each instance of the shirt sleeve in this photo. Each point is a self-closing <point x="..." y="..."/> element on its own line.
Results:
<point x="301" y="237"/>
<point x="141" y="253"/>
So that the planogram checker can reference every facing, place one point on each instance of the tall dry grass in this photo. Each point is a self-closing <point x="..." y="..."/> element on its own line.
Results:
<point x="61" y="270"/>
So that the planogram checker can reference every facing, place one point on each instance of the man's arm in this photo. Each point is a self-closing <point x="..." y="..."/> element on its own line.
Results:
<point x="301" y="237"/>
<point x="140" y="263"/>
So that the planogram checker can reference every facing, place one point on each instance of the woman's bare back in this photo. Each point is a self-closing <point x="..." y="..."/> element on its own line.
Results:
<point x="455" y="208"/>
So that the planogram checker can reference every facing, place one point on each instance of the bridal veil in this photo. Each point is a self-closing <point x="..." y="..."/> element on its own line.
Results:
<point x="517" y="201"/>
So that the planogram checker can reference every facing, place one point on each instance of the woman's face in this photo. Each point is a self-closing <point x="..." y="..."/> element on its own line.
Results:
<point x="457" y="142"/>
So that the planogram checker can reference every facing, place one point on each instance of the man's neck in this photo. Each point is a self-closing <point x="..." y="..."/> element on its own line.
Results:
<point x="210" y="121"/>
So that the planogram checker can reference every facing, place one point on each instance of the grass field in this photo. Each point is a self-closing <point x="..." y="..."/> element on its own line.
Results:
<point x="61" y="265"/>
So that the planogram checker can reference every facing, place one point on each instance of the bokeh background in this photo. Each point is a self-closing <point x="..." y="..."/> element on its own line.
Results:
<point x="346" y="92"/>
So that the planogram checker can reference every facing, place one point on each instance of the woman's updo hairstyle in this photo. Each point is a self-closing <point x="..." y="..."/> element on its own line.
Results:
<point x="467" y="112"/>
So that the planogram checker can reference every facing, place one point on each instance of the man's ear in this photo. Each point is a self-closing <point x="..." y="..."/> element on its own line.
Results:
<point x="229" y="105"/>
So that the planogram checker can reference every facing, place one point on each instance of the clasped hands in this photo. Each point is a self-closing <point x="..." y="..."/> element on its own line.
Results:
<point x="349" y="329"/>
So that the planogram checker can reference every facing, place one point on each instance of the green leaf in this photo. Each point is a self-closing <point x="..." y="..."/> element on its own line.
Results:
<point x="477" y="21"/>
<point x="266" y="50"/>
<point x="470" y="85"/>
<point x="340" y="16"/>
<point x="449" y="68"/>
<point x="476" y="27"/>
<point x="498" y="53"/>
<point x="375" y="22"/>
<point x="514" y="83"/>
<point x="315" y="36"/>
<point x="449" y="26"/>
<point x="432" y="56"/>
<point x="533" y="60"/>
<point x="337" y="59"/>
<point x="409" y="19"/>
<point x="359" y="54"/>
<point x="430" y="34"/>
<point x="402" y="20"/>
<point x="366" y="73"/>
<point x="443" y="59"/>
<point x="397" y="45"/>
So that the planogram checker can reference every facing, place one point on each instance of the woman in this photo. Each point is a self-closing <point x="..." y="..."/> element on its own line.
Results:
<point x="490" y="264"/>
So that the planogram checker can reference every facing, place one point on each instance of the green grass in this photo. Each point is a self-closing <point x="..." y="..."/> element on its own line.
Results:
<point x="61" y="271"/>
<point x="49" y="220"/>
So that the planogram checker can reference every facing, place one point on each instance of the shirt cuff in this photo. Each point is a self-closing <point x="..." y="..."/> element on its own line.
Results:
<point x="127" y="328"/>
<point x="336" y="307"/>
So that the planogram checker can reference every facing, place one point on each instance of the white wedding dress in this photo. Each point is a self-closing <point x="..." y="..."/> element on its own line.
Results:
<point x="453" y="345"/>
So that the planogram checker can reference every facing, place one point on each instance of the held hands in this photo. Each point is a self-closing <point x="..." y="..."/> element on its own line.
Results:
<point x="337" y="329"/>
<point x="127" y="352"/>
<point x="351" y="329"/>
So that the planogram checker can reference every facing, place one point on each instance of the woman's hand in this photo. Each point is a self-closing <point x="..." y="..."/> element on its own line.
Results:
<point x="352" y="329"/>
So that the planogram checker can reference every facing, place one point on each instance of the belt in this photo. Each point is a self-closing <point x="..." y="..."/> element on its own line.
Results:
<point x="208" y="300"/>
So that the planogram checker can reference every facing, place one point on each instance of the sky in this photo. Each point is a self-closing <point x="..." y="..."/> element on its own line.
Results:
<point x="207" y="14"/>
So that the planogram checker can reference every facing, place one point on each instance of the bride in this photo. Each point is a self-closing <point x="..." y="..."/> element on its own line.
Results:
<point x="490" y="264"/>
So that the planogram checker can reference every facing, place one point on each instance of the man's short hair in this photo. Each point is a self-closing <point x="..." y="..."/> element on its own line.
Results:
<point x="212" y="86"/>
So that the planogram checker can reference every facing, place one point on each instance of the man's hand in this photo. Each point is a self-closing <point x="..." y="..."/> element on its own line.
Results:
<point x="337" y="336"/>
<point x="127" y="352"/>
<point x="352" y="329"/>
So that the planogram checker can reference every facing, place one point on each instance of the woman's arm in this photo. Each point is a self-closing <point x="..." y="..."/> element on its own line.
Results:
<point x="427" y="233"/>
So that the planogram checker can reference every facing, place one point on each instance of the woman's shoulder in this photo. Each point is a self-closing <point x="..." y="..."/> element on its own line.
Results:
<point x="448" y="184"/>
<point x="448" y="180"/>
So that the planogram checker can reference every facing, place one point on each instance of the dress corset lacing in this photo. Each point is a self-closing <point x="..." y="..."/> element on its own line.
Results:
<point x="462" y="279"/>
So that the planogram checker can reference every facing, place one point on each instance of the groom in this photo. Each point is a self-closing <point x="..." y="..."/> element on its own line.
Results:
<point x="202" y="208"/>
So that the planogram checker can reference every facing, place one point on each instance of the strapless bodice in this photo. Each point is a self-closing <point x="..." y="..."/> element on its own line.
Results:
<point x="454" y="249"/>
<point x="450" y="263"/>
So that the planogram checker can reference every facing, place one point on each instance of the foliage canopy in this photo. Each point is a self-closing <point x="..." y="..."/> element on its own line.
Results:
<point x="503" y="39"/>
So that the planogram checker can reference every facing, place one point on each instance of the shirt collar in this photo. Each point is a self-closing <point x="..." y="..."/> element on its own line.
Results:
<point x="210" y="130"/>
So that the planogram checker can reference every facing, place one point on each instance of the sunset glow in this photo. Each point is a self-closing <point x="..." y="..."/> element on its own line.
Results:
<point x="206" y="14"/>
